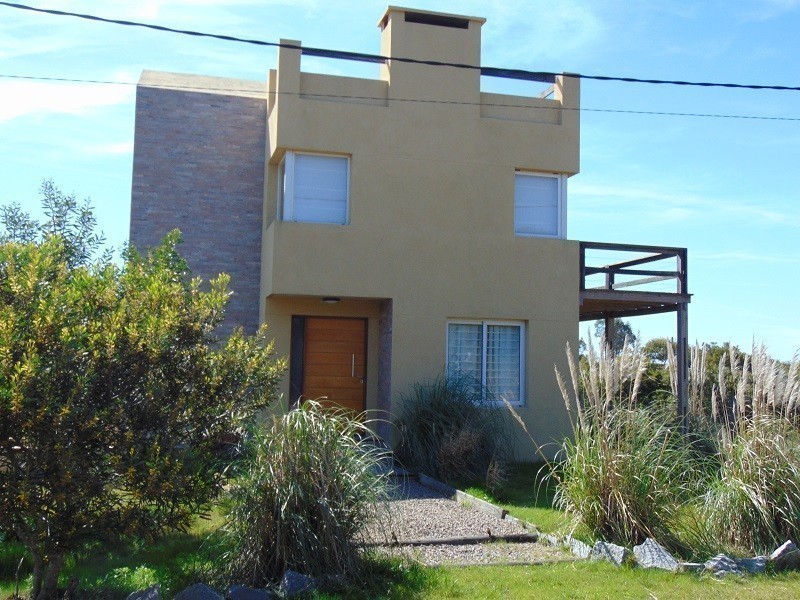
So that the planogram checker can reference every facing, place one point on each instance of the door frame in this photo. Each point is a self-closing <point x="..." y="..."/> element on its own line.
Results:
<point x="297" y="354"/>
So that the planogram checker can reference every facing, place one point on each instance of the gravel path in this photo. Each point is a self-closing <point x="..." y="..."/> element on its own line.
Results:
<point x="417" y="512"/>
<point x="482" y="554"/>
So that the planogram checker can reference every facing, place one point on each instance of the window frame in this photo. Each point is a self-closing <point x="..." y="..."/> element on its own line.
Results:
<point x="286" y="180"/>
<point x="561" y="204"/>
<point x="485" y="323"/>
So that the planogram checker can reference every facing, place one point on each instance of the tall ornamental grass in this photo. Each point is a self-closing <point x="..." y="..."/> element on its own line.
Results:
<point x="755" y="503"/>
<point x="627" y="471"/>
<point x="310" y="482"/>
<point x="450" y="429"/>
<point x="732" y="482"/>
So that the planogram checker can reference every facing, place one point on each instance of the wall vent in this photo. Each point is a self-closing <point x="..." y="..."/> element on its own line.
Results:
<point x="440" y="20"/>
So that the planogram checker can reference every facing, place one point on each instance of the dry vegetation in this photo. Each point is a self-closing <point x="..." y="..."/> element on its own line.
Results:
<point x="731" y="483"/>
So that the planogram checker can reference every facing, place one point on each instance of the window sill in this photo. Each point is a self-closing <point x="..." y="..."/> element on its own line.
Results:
<point x="315" y="223"/>
<point x="540" y="235"/>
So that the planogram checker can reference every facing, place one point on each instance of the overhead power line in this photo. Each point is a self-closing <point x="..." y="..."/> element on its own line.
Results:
<point x="522" y="74"/>
<point x="193" y="88"/>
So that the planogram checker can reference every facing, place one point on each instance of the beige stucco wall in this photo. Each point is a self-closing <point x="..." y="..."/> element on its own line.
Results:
<point x="431" y="218"/>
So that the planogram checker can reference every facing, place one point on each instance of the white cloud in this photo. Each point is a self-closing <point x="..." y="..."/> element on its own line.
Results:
<point x="518" y="33"/>
<point x="201" y="11"/>
<point x="681" y="10"/>
<point x="23" y="98"/>
<point x="16" y="48"/>
<point x="705" y="49"/>
<point x="147" y="9"/>
<point x="24" y="33"/>
<point x="678" y="206"/>
<point x="151" y="9"/>
<point x="28" y="35"/>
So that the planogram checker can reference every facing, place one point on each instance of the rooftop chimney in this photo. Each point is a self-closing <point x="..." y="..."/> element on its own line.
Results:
<point x="431" y="36"/>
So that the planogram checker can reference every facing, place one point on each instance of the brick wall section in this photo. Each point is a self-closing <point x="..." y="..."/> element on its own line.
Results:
<point x="198" y="166"/>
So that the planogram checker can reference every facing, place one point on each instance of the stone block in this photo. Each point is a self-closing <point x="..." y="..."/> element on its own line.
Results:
<point x="549" y="539"/>
<point x="786" y="557"/>
<point x="652" y="555"/>
<point x="722" y="565"/>
<point x="198" y="591"/>
<point x="242" y="592"/>
<point x="616" y="555"/>
<point x="577" y="547"/>
<point x="756" y="565"/>
<point x="294" y="583"/>
<point x="151" y="593"/>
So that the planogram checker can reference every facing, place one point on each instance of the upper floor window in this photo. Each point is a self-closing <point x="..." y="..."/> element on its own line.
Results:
<point x="540" y="205"/>
<point x="314" y="188"/>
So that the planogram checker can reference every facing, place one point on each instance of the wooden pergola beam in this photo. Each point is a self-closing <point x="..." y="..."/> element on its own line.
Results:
<point x="611" y="269"/>
<point x="643" y="260"/>
<point x="630" y="312"/>
<point x="643" y="281"/>
<point x="671" y="250"/>
<point x="631" y="297"/>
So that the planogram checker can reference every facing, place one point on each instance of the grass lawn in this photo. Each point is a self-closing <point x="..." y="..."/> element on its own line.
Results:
<point x="178" y="560"/>
<point x="599" y="580"/>
<point x="173" y="561"/>
<point x="528" y="496"/>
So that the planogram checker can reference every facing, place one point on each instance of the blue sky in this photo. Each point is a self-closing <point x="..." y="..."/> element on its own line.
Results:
<point x="725" y="188"/>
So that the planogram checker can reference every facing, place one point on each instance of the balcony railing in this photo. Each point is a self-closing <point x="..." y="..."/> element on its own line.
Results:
<point x="624" y="280"/>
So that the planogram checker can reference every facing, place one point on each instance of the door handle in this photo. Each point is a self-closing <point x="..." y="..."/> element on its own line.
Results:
<point x="353" y="369"/>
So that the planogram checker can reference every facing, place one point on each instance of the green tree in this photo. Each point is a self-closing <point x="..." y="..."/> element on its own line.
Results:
<point x="72" y="221"/>
<point x="114" y="396"/>
<point x="656" y="350"/>
<point x="656" y="382"/>
<point x="622" y="331"/>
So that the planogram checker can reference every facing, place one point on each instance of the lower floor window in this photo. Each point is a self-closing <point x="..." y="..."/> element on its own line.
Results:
<point x="492" y="354"/>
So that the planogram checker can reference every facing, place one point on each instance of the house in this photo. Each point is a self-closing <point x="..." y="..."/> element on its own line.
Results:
<point x="386" y="229"/>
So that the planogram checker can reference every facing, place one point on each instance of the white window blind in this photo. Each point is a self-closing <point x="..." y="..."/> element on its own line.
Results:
<point x="314" y="188"/>
<point x="538" y="206"/>
<point x="491" y="354"/>
<point x="465" y="349"/>
<point x="503" y="366"/>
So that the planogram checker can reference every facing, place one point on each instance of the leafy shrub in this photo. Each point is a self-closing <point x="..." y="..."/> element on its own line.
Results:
<point x="448" y="429"/>
<point x="114" y="393"/>
<point x="308" y="485"/>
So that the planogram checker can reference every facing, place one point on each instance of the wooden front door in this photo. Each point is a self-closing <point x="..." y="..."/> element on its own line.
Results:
<point x="334" y="361"/>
